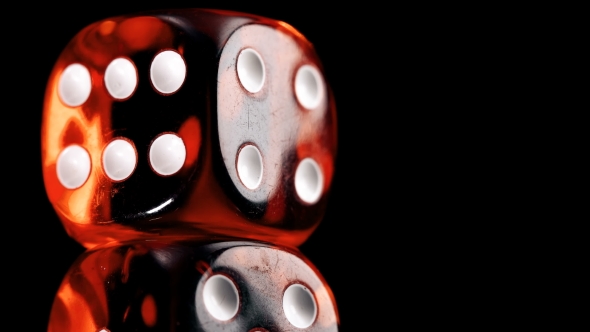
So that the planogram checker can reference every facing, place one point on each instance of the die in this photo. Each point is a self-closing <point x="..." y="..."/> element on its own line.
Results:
<point x="188" y="123"/>
<point x="193" y="286"/>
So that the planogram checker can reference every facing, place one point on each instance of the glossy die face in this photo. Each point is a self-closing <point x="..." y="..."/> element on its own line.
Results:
<point x="188" y="123"/>
<point x="227" y="286"/>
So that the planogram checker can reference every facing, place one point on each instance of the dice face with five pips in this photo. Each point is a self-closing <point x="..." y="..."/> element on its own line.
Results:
<point x="190" y="122"/>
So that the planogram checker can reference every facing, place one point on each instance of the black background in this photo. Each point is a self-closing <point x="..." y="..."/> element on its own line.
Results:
<point x="389" y="187"/>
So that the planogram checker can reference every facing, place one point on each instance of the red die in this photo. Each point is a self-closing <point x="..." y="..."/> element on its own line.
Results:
<point x="193" y="123"/>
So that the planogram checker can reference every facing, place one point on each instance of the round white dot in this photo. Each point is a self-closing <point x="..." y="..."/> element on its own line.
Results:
<point x="299" y="306"/>
<point x="309" y="86"/>
<point x="167" y="154"/>
<point x="249" y="166"/>
<point x="119" y="159"/>
<point x="221" y="297"/>
<point x="74" y="85"/>
<point x="167" y="72"/>
<point x="120" y="78"/>
<point x="309" y="181"/>
<point x="73" y="166"/>
<point x="251" y="70"/>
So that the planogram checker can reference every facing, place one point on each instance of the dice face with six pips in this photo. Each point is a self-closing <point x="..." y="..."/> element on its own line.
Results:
<point x="193" y="123"/>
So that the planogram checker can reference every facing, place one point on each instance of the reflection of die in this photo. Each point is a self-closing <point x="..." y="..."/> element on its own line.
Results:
<point x="188" y="122"/>
<point x="226" y="286"/>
